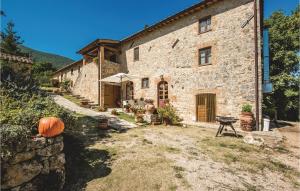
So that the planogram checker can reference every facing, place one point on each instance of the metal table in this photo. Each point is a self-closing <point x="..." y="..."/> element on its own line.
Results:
<point x="225" y="121"/>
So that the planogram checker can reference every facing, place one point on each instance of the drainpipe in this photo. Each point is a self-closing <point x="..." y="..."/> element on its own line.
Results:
<point x="256" y="67"/>
<point x="99" y="73"/>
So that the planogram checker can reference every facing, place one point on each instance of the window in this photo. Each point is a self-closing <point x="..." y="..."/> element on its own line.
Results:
<point x="205" y="56"/>
<point x="145" y="83"/>
<point x="136" y="54"/>
<point x="71" y="71"/>
<point x="205" y="25"/>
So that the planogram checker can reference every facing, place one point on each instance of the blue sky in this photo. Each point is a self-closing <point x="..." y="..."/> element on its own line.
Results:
<point x="64" y="26"/>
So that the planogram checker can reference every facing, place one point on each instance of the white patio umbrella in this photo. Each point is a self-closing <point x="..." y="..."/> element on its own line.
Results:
<point x="119" y="78"/>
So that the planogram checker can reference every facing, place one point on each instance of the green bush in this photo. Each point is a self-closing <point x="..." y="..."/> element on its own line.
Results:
<point x="65" y="85"/>
<point x="12" y="136"/>
<point x="21" y="109"/>
<point x="169" y="112"/>
<point x="247" y="108"/>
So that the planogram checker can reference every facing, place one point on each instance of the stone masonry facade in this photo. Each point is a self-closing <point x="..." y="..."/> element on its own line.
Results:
<point x="171" y="53"/>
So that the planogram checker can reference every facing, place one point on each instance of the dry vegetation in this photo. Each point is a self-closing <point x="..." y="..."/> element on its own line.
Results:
<point x="174" y="158"/>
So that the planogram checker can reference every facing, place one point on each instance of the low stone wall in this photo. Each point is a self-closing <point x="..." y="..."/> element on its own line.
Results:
<point x="36" y="165"/>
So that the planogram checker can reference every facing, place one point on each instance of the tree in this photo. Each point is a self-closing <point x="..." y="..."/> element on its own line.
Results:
<point x="10" y="40"/>
<point x="283" y="102"/>
<point x="42" y="73"/>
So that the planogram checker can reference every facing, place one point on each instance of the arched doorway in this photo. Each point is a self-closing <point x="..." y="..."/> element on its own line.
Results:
<point x="162" y="93"/>
<point x="129" y="91"/>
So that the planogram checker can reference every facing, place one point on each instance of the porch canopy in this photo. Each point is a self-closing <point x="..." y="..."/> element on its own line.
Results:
<point x="117" y="79"/>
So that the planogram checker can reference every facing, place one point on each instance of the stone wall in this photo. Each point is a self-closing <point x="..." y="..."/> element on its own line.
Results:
<point x="108" y="68"/>
<point x="86" y="83"/>
<point x="230" y="76"/>
<point x="36" y="165"/>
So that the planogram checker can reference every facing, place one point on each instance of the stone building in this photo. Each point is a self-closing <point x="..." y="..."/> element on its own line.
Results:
<point x="205" y="59"/>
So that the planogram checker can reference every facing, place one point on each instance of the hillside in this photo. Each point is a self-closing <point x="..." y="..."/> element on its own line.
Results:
<point x="39" y="56"/>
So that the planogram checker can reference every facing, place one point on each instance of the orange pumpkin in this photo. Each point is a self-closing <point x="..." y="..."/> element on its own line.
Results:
<point x="50" y="126"/>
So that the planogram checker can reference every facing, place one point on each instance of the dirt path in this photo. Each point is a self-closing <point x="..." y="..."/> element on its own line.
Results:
<point x="113" y="121"/>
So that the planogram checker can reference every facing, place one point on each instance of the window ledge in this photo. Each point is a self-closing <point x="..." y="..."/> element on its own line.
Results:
<point x="205" y="64"/>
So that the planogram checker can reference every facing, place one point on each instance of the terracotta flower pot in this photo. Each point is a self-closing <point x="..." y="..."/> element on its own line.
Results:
<point x="247" y="121"/>
<point x="139" y="119"/>
<point x="166" y="121"/>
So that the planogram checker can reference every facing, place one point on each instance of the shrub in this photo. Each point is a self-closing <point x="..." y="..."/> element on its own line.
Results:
<point x="65" y="85"/>
<point x="168" y="112"/>
<point x="21" y="109"/>
<point x="136" y="109"/>
<point x="114" y="112"/>
<point x="247" y="108"/>
<point x="12" y="136"/>
<point x="149" y="101"/>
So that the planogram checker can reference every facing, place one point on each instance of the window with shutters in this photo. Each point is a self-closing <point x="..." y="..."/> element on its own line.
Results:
<point x="136" y="54"/>
<point x="145" y="83"/>
<point x="205" y="56"/>
<point x="205" y="24"/>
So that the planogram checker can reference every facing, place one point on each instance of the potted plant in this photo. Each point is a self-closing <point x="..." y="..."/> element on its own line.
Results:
<point x="127" y="108"/>
<point x="247" y="118"/>
<point x="114" y="112"/>
<point x="149" y="107"/>
<point x="168" y="115"/>
<point x="139" y="118"/>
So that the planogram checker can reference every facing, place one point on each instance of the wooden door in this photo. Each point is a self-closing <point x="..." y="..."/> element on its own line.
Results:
<point x="162" y="93"/>
<point x="111" y="96"/>
<point x="108" y="96"/>
<point x="206" y="107"/>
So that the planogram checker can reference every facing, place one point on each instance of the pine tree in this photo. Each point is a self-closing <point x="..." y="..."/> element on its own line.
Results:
<point x="10" y="40"/>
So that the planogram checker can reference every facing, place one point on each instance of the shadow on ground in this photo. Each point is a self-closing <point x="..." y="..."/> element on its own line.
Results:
<point x="84" y="164"/>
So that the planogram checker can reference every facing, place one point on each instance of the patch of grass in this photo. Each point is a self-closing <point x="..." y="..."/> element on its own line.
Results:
<point x="71" y="98"/>
<point x="173" y="188"/>
<point x="146" y="141"/>
<point x="281" y="149"/>
<point x="178" y="175"/>
<point x="178" y="168"/>
<point x="251" y="187"/>
<point x="172" y="150"/>
<point x="130" y="175"/>
<point x="126" y="117"/>
<point x="251" y="158"/>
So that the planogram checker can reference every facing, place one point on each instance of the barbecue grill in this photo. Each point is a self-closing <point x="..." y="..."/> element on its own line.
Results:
<point x="225" y="121"/>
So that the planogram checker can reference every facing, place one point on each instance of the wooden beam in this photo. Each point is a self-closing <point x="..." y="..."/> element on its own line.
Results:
<point x="110" y="48"/>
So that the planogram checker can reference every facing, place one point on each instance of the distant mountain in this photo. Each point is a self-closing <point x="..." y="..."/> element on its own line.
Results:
<point x="39" y="56"/>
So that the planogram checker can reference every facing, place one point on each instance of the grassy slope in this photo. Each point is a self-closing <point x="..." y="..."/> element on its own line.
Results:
<point x="39" y="56"/>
